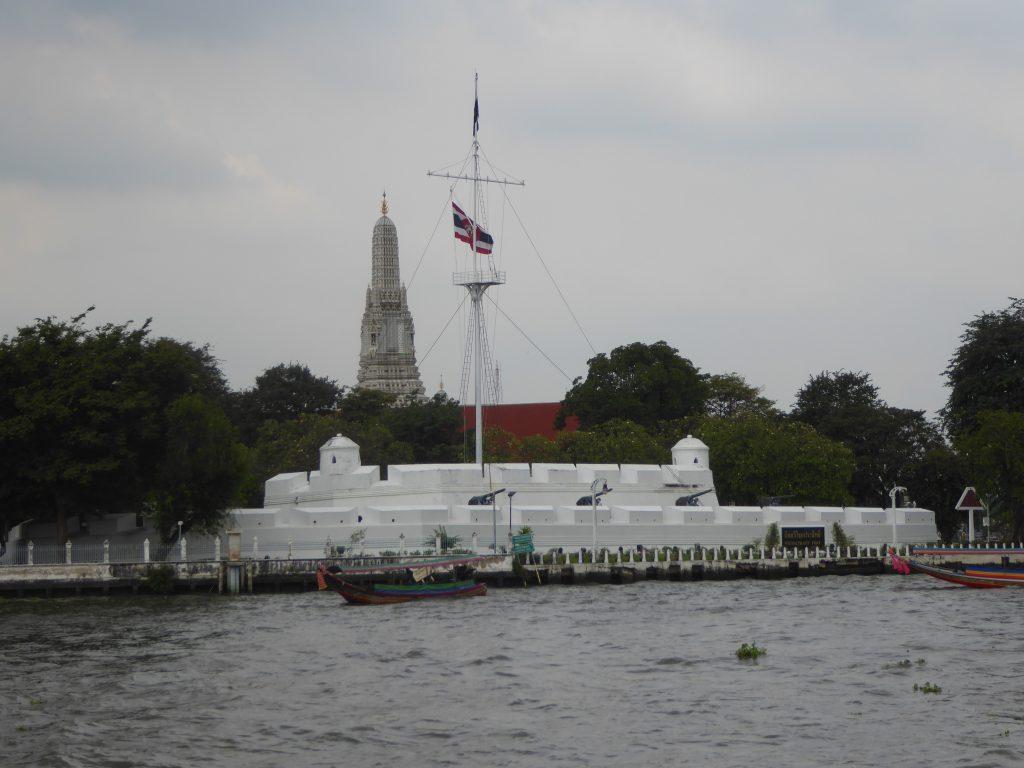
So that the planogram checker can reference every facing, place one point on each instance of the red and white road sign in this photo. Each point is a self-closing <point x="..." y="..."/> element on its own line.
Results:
<point x="970" y="501"/>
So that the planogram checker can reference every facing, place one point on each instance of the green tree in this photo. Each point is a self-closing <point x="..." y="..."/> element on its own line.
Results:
<point x="935" y="483"/>
<point x="994" y="455"/>
<point x="83" y="415"/>
<point x="202" y="468"/>
<point x="618" y="441"/>
<point x="986" y="373"/>
<point x="643" y="383"/>
<point x="888" y="443"/>
<point x="755" y="456"/>
<point x="432" y="428"/>
<point x="71" y="418"/>
<point x="536" y="449"/>
<point x="500" y="445"/>
<point x="283" y="393"/>
<point x="729" y="394"/>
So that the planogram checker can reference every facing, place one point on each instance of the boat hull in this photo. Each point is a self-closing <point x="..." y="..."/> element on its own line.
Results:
<point x="386" y="594"/>
<point x="975" y="577"/>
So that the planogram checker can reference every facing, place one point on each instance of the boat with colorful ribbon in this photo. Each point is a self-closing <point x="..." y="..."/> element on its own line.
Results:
<point x="986" y="576"/>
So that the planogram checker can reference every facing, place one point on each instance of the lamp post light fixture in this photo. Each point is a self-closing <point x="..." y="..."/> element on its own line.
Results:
<point x="180" y="523"/>
<point x="594" y="496"/>
<point x="510" y="495"/>
<point x="892" y="497"/>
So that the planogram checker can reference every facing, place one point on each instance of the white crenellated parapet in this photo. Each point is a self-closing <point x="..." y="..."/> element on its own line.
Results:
<point x="588" y="473"/>
<point x="555" y="474"/>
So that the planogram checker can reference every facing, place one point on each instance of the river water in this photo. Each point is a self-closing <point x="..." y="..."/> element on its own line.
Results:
<point x="643" y="675"/>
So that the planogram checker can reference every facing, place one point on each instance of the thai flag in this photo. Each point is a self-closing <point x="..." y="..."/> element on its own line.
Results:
<point x="464" y="231"/>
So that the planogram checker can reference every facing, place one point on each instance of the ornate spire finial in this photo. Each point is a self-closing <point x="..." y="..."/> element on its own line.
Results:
<point x="384" y="204"/>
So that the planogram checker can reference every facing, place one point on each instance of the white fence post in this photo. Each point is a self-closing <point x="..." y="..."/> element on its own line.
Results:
<point x="183" y="549"/>
<point x="476" y="541"/>
<point x="67" y="553"/>
<point x="145" y="551"/>
<point x="255" y="546"/>
<point x="216" y="548"/>
<point x="31" y="547"/>
<point x="106" y="551"/>
<point x="437" y="543"/>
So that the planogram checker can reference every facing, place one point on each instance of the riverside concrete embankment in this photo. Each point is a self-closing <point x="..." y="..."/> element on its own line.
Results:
<point x="289" y="575"/>
<point x="300" y="575"/>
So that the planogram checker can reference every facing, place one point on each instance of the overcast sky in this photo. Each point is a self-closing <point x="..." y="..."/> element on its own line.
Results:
<point x="773" y="188"/>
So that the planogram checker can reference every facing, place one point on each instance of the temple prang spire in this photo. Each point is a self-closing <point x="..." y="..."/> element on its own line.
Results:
<point x="387" y="356"/>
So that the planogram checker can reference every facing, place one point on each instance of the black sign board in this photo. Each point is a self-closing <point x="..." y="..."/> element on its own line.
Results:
<point x="800" y="536"/>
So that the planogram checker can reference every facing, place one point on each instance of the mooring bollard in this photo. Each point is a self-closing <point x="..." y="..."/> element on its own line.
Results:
<point x="67" y="553"/>
<point x="106" y="551"/>
<point x="145" y="551"/>
<point x="31" y="547"/>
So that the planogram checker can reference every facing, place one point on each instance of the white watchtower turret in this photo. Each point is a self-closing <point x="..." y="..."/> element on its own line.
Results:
<point x="339" y="456"/>
<point x="691" y="452"/>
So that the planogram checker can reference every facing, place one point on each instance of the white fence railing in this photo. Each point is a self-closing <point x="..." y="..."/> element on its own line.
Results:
<point x="210" y="548"/>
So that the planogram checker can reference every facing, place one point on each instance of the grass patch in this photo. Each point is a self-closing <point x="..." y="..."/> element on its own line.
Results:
<point x="927" y="688"/>
<point x="750" y="651"/>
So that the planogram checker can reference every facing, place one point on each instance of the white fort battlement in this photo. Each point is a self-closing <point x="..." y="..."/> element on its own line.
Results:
<point x="648" y="505"/>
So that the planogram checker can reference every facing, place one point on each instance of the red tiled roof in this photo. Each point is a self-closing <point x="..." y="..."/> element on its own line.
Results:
<point x="523" y="419"/>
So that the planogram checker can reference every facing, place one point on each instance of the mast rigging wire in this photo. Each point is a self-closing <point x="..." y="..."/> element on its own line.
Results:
<point x="525" y="336"/>
<point x="536" y="250"/>
<point x="438" y="338"/>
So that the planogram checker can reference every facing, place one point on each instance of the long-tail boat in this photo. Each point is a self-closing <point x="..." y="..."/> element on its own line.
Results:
<point x="417" y="586"/>
<point x="974" y="576"/>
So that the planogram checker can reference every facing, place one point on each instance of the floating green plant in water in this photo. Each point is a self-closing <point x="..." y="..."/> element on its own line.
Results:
<point x="927" y="688"/>
<point x="901" y="664"/>
<point x="750" y="651"/>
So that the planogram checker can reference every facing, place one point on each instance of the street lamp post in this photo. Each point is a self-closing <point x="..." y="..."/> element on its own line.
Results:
<point x="594" y="496"/>
<point x="180" y="523"/>
<point x="892" y="497"/>
<point x="510" y="495"/>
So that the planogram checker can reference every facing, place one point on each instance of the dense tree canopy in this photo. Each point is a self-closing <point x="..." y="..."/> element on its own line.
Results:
<point x="729" y="394"/>
<point x="84" y="416"/>
<point x="986" y="372"/>
<point x="888" y="443"/>
<point x="643" y="383"/>
<point x="994" y="454"/>
<point x="283" y="393"/>
<point x="755" y="457"/>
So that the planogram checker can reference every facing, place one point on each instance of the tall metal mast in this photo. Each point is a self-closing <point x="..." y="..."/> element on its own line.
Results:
<point x="477" y="280"/>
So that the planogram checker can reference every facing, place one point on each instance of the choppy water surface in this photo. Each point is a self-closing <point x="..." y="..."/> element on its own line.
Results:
<point x="639" y="675"/>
